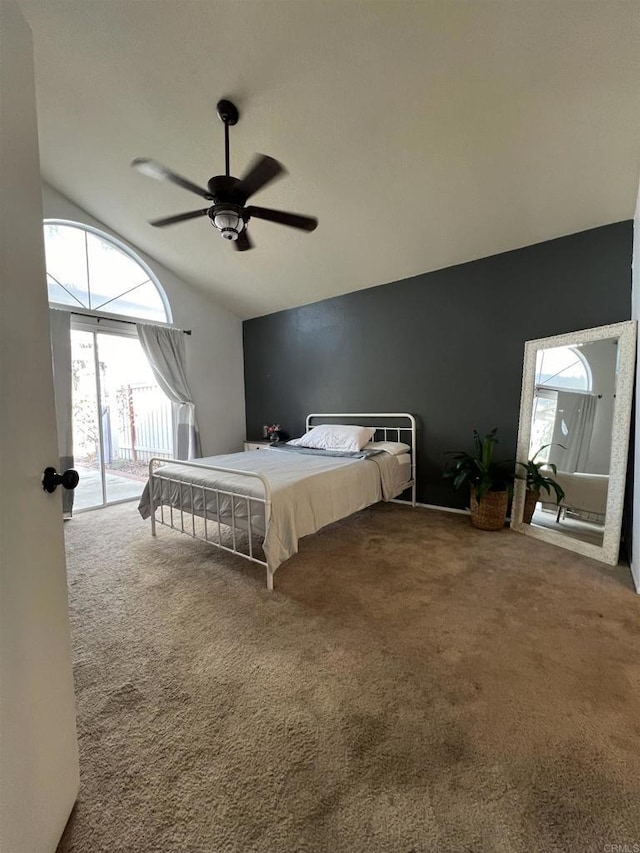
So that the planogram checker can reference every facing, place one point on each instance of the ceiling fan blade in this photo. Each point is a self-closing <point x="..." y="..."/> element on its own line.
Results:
<point x="156" y="170"/>
<point x="293" y="220"/>
<point x="179" y="217"/>
<point x="243" y="243"/>
<point x="263" y="170"/>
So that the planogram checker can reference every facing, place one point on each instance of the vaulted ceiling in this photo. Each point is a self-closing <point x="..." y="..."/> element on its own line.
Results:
<point x="421" y="134"/>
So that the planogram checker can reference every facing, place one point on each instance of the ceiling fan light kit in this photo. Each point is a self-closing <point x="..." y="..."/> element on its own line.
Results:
<point x="227" y="220"/>
<point x="229" y="213"/>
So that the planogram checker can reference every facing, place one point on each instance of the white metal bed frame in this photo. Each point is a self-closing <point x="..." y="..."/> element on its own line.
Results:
<point x="385" y="430"/>
<point x="237" y="524"/>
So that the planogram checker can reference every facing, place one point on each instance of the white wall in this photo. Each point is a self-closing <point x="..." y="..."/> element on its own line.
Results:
<point x="214" y="350"/>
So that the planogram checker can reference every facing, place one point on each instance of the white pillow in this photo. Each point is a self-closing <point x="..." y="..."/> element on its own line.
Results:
<point x="344" y="437"/>
<point x="395" y="448"/>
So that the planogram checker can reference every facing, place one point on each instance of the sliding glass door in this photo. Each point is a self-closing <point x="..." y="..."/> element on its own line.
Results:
<point x="121" y="418"/>
<point x="86" y="423"/>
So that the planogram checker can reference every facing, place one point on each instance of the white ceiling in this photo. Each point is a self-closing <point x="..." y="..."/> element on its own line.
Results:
<point x="421" y="134"/>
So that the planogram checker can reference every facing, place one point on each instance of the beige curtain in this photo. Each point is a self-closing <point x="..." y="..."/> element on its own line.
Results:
<point x="165" y="348"/>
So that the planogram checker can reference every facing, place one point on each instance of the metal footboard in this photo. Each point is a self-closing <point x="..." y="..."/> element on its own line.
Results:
<point x="205" y="524"/>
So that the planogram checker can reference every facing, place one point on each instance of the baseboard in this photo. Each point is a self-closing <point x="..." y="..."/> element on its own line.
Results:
<point x="450" y="509"/>
<point x="433" y="506"/>
<point x="444" y="508"/>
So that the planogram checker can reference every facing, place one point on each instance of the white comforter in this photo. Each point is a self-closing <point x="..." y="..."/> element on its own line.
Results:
<point x="308" y="492"/>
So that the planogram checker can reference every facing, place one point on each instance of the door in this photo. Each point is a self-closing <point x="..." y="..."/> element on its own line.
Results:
<point x="39" y="775"/>
<point x="121" y="417"/>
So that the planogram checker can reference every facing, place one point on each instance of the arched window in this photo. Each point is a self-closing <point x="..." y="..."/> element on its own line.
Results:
<point x="563" y="367"/>
<point x="90" y="270"/>
<point x="558" y="369"/>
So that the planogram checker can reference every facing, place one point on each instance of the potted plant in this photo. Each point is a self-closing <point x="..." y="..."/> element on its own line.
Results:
<point x="536" y="480"/>
<point x="490" y="481"/>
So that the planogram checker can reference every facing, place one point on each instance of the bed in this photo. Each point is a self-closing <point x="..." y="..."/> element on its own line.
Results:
<point x="279" y="495"/>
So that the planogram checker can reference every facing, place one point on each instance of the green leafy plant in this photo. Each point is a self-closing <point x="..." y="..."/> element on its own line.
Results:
<point x="479" y="469"/>
<point x="536" y="480"/>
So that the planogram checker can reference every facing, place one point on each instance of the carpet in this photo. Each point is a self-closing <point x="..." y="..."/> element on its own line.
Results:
<point x="412" y="685"/>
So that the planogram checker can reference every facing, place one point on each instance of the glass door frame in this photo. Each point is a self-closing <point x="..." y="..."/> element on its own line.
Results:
<point x="101" y="325"/>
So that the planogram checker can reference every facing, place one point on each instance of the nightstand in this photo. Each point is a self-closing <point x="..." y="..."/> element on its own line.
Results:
<point x="256" y="445"/>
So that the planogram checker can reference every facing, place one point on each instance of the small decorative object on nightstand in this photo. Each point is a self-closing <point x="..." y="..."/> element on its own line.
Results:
<point x="273" y="432"/>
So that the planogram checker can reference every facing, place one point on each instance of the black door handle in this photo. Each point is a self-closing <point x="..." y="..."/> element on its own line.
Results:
<point x="51" y="479"/>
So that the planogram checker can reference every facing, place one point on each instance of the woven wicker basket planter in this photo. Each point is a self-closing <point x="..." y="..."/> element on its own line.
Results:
<point x="530" y="500"/>
<point x="491" y="512"/>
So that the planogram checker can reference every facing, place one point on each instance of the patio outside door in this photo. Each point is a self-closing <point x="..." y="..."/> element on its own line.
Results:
<point x="121" y="418"/>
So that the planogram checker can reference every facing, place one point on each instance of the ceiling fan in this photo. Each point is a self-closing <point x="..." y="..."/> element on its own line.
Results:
<point x="229" y="213"/>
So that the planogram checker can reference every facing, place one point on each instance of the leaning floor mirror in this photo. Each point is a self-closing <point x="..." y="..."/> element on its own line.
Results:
<point x="573" y="439"/>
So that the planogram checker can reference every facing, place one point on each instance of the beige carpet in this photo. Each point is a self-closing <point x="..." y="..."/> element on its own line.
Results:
<point x="412" y="685"/>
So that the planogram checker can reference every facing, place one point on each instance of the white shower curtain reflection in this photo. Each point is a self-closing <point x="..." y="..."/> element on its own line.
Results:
<point x="575" y="417"/>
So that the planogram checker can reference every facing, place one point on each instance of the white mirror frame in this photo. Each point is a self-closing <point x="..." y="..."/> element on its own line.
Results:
<point x="626" y="334"/>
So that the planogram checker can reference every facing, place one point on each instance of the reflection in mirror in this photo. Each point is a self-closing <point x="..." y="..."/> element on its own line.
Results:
<point x="575" y="408"/>
<point x="571" y="433"/>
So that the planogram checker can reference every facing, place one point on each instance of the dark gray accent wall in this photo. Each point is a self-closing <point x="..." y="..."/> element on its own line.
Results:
<point x="446" y="346"/>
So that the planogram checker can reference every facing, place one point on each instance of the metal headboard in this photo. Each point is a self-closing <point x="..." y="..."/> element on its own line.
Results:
<point x="388" y="433"/>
